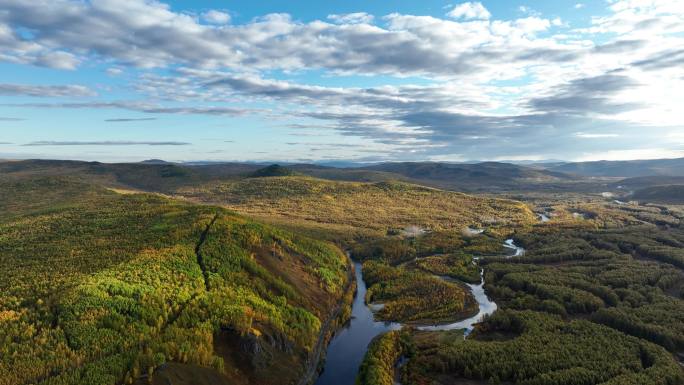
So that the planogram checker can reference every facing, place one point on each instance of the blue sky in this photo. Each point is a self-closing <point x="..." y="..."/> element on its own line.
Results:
<point x="126" y="80"/>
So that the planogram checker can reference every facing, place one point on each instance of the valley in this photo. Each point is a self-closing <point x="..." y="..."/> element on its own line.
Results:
<point x="305" y="192"/>
<point x="172" y="274"/>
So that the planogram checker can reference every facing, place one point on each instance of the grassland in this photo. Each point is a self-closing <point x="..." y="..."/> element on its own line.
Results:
<point x="104" y="288"/>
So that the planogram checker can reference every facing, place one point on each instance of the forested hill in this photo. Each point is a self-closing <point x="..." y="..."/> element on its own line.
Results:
<point x="627" y="168"/>
<point x="104" y="288"/>
<point x="673" y="194"/>
<point x="167" y="177"/>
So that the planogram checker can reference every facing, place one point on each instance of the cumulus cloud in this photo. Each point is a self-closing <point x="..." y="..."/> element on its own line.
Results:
<point x="70" y="31"/>
<point x="216" y="17"/>
<point x="46" y="91"/>
<point x="469" y="10"/>
<point x="352" y="18"/>
<point x="507" y="87"/>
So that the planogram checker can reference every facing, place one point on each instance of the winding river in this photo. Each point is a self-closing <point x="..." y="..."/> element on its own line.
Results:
<point x="346" y="350"/>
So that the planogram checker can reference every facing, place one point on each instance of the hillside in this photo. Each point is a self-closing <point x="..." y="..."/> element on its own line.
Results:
<point x="631" y="168"/>
<point x="103" y="288"/>
<point x="636" y="183"/>
<point x="155" y="176"/>
<point x="354" y="207"/>
<point x="167" y="177"/>
<point x="272" y="170"/>
<point x="672" y="194"/>
<point x="488" y="176"/>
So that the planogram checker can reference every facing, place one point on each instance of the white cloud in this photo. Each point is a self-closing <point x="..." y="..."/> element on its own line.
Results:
<point x="579" y="5"/>
<point x="216" y="17"/>
<point x="352" y="18"/>
<point x="58" y="59"/>
<point x="511" y="81"/>
<point x="533" y="24"/>
<point x="586" y="135"/>
<point x="469" y="11"/>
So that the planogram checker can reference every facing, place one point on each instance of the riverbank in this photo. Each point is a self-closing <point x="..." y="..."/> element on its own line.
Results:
<point x="340" y="316"/>
<point x="348" y="347"/>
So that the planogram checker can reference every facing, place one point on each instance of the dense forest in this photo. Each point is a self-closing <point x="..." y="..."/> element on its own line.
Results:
<point x="596" y="299"/>
<point x="102" y="288"/>
<point x="414" y="296"/>
<point x="535" y="348"/>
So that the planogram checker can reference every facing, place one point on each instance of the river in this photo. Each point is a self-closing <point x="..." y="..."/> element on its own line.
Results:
<point x="347" y="348"/>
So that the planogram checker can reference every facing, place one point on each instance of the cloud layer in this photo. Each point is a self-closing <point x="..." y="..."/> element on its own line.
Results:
<point x="45" y="91"/>
<point x="529" y="86"/>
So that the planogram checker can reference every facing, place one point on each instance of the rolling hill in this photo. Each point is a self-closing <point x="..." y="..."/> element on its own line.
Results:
<point x="490" y="176"/>
<point x="166" y="177"/>
<point x="640" y="182"/>
<point x="355" y="207"/>
<point x="106" y="288"/>
<point x="672" y="194"/>
<point x="631" y="168"/>
<point x="149" y="176"/>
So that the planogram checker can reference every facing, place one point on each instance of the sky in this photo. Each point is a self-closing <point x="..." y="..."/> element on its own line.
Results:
<point x="319" y="81"/>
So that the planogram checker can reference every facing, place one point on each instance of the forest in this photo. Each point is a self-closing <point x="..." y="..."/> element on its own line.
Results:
<point x="242" y="279"/>
<point x="597" y="299"/>
<point x="104" y="288"/>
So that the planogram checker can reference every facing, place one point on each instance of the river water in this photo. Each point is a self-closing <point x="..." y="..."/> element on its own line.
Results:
<point x="486" y="307"/>
<point x="347" y="348"/>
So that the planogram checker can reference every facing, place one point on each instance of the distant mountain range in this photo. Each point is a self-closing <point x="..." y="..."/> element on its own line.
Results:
<point x="161" y="175"/>
<point x="626" y="169"/>
<point x="546" y="168"/>
<point x="478" y="176"/>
